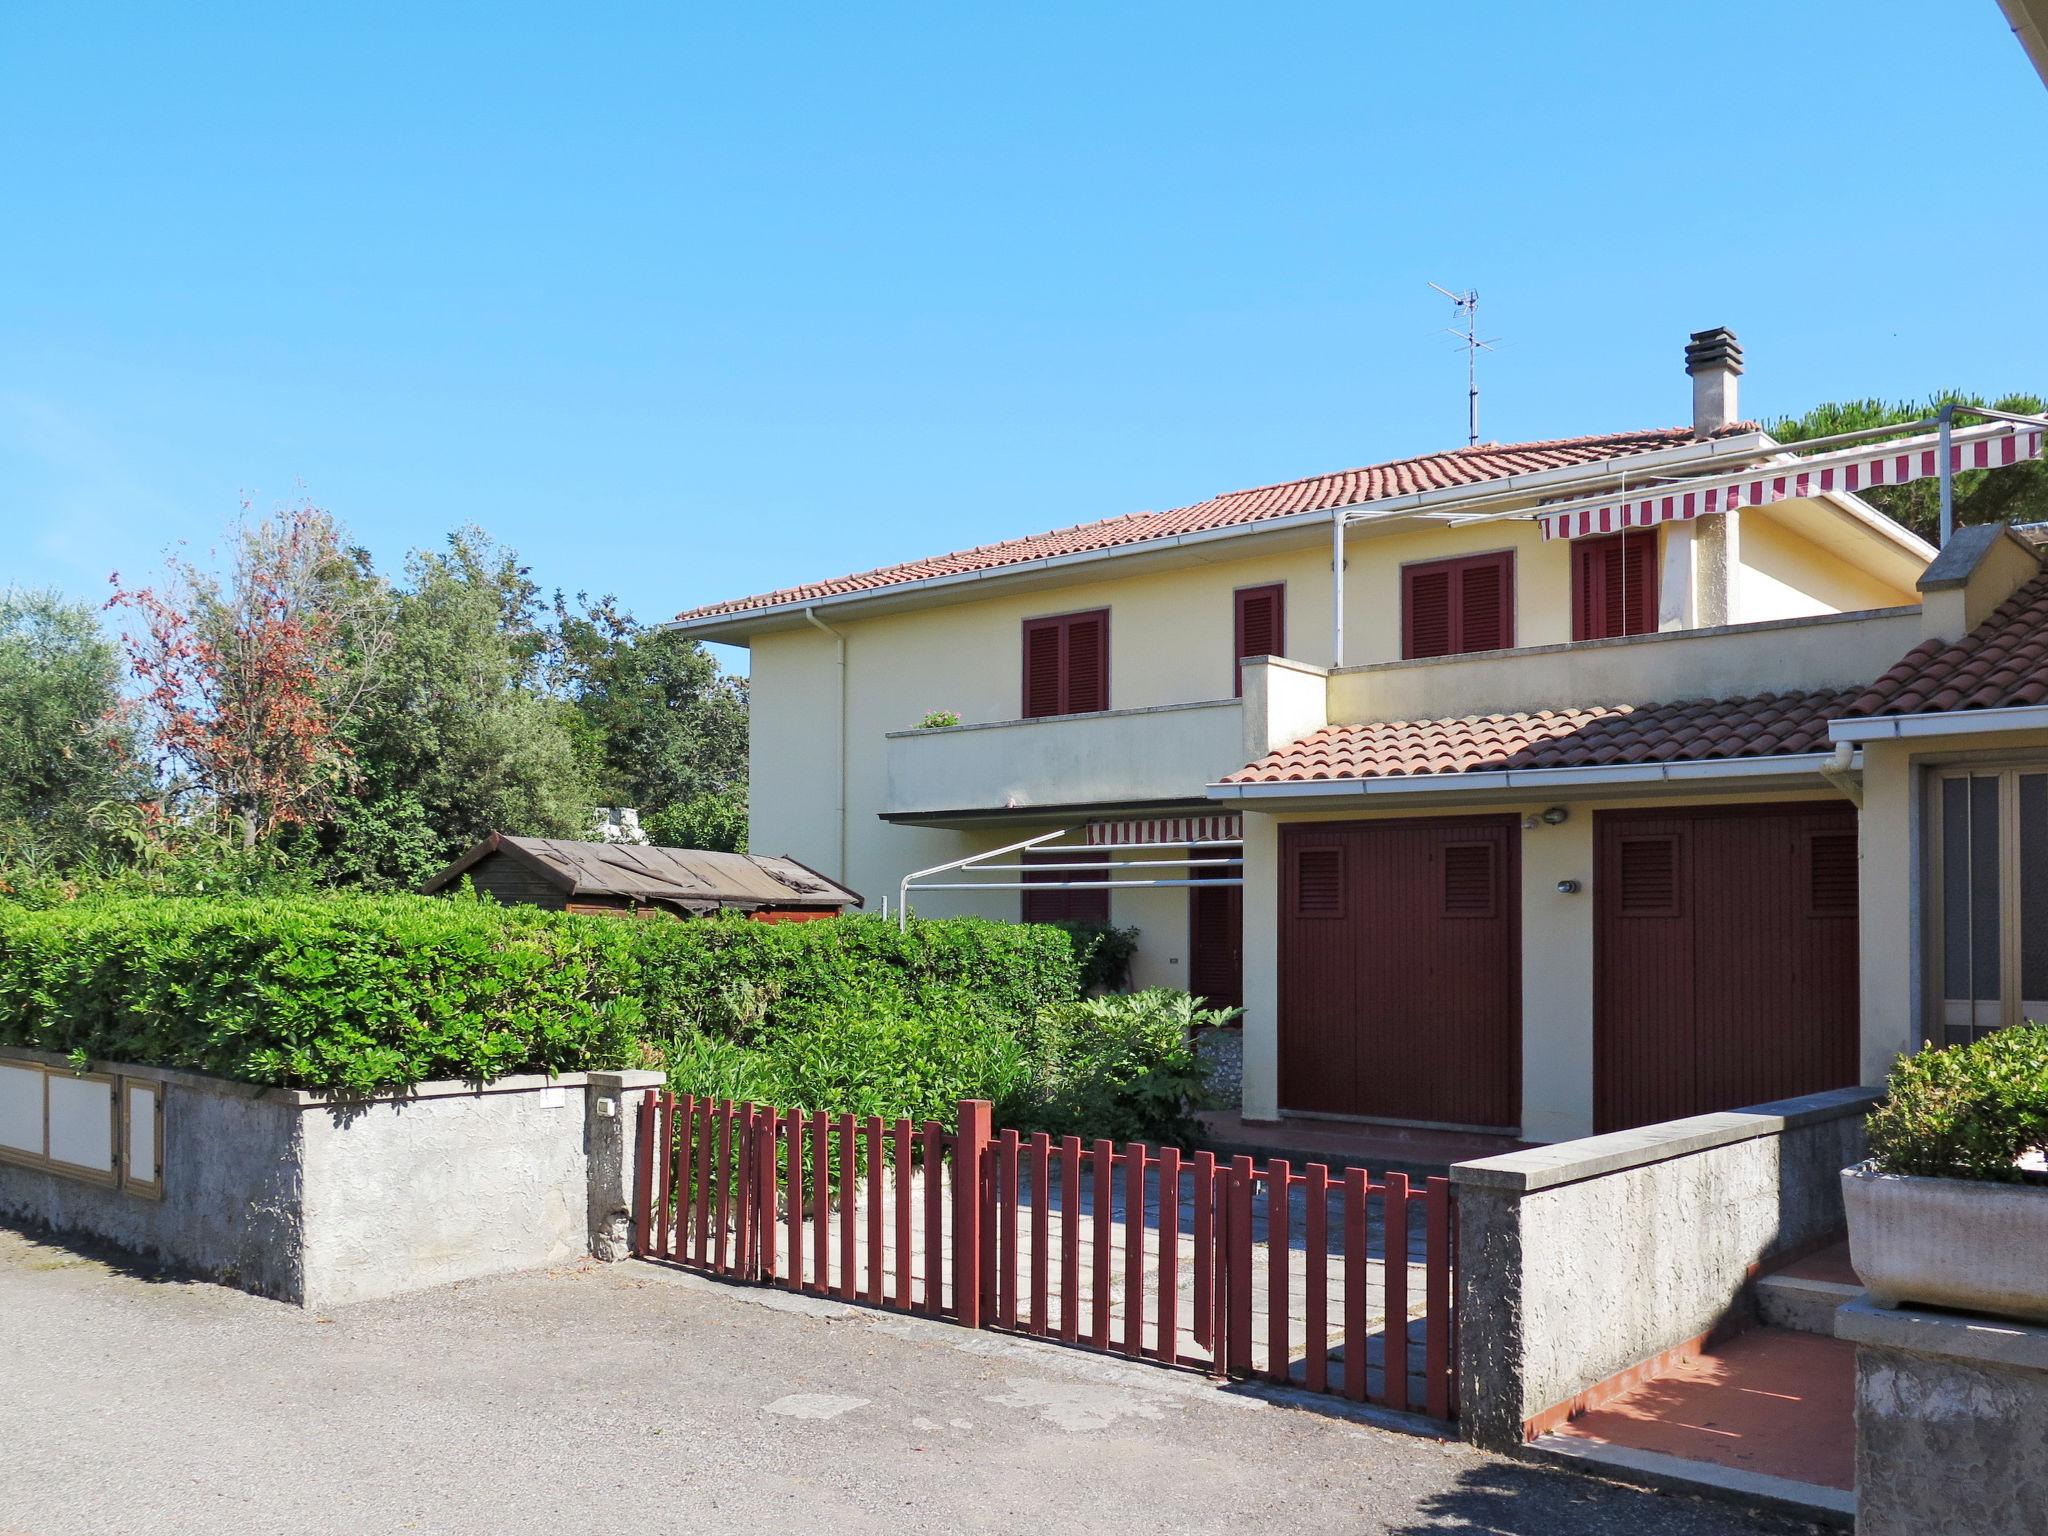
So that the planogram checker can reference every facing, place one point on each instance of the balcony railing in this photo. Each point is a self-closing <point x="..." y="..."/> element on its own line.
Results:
<point x="1116" y="757"/>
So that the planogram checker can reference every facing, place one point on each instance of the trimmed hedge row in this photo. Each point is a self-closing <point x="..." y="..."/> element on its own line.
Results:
<point x="365" y="994"/>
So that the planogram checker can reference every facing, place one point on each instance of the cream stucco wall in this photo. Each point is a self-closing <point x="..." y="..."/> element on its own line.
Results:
<point x="1783" y="574"/>
<point x="1170" y="644"/>
<point x="1557" y="948"/>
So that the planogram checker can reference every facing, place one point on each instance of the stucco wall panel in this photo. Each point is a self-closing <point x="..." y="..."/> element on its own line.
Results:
<point x="1584" y="1259"/>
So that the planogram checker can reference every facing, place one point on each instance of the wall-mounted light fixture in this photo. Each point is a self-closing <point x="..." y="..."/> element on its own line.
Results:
<point x="1557" y="815"/>
<point x="1567" y="887"/>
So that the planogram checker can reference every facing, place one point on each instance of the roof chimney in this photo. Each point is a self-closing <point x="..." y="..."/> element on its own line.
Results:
<point x="1714" y="359"/>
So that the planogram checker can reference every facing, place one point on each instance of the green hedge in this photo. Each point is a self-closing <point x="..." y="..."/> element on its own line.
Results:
<point x="353" y="994"/>
<point x="361" y="994"/>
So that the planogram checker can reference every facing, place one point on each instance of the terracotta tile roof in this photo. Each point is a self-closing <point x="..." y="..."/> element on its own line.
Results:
<point x="1764" y="726"/>
<point x="2002" y="663"/>
<point x="1431" y="471"/>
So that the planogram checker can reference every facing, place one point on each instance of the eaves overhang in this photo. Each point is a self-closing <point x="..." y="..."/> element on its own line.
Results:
<point x="1700" y="773"/>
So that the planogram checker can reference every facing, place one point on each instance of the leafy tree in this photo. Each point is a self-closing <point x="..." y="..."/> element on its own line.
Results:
<point x="249" y="681"/>
<point x="2015" y="495"/>
<point x="65" y="741"/>
<point x="662" y="728"/>
<point x="715" y="821"/>
<point x="458" y="739"/>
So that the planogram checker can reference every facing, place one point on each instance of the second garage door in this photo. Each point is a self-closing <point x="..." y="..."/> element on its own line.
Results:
<point x="1725" y="958"/>
<point x="1400" y="970"/>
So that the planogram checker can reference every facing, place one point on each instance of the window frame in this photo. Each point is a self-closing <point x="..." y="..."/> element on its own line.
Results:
<point x="1277" y="590"/>
<point x="1063" y="625"/>
<point x="1455" y="567"/>
<point x="2009" y="1007"/>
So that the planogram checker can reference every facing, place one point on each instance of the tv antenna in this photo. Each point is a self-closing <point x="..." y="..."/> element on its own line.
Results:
<point x="1466" y="305"/>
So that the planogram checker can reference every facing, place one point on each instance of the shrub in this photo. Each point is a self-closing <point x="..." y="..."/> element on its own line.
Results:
<point x="1967" y="1112"/>
<point x="1124" y="1067"/>
<point x="1103" y="953"/>
<point x="352" y="995"/>
<point x="742" y="981"/>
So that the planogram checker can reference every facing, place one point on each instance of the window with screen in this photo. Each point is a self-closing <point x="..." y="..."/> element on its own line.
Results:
<point x="1066" y="664"/>
<point x="1449" y="607"/>
<point x="1990" y="888"/>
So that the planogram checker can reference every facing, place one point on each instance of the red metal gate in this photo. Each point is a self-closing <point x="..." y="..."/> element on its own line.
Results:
<point x="1359" y="1280"/>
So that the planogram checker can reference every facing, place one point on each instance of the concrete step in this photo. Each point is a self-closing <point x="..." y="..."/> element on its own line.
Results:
<point x="1802" y="1304"/>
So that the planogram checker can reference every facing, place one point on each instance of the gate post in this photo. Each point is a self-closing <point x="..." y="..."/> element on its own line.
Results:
<point x="977" y="1121"/>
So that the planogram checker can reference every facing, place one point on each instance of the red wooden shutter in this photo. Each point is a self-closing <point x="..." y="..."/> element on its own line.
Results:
<point x="1614" y="586"/>
<point x="1426" y="628"/>
<point x="1043" y="694"/>
<point x="1087" y="663"/>
<point x="1066" y="664"/>
<point x="1485" y="607"/>
<point x="1449" y="607"/>
<point x="1261" y="625"/>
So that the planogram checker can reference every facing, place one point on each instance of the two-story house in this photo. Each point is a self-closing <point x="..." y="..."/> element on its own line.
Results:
<point x="1504" y="787"/>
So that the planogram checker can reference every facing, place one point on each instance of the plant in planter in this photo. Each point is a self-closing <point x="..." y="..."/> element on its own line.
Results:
<point x="1951" y="1210"/>
<point x="938" y="719"/>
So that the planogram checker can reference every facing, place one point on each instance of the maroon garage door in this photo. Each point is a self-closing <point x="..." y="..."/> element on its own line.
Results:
<point x="1400" y="970"/>
<point x="1724" y="958"/>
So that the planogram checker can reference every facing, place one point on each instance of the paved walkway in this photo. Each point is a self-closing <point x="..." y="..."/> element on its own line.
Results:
<point x="634" y="1398"/>
<point x="1768" y="1402"/>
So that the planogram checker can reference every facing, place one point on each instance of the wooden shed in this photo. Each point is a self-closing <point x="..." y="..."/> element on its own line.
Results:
<point x="631" y="880"/>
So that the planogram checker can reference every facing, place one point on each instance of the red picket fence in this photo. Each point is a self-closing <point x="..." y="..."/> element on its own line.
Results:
<point x="1150" y="1252"/>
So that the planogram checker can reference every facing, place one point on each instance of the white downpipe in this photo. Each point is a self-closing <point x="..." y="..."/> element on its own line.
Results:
<point x="1337" y="588"/>
<point x="839" y="744"/>
<point x="1840" y="772"/>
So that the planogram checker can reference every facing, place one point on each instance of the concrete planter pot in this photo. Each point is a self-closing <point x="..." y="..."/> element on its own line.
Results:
<point x="1949" y="1242"/>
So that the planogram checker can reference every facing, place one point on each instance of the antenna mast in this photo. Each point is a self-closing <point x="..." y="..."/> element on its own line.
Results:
<point x="1466" y="307"/>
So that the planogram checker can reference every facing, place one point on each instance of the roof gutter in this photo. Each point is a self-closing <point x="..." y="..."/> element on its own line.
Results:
<point x="1685" y="771"/>
<point x="1941" y="722"/>
<point x="1747" y="445"/>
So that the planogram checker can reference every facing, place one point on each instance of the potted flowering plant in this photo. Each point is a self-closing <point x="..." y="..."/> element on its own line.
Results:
<point x="938" y="719"/>
<point x="1951" y="1210"/>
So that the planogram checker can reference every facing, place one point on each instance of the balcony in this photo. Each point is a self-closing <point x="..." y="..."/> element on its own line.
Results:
<point x="1119" y="757"/>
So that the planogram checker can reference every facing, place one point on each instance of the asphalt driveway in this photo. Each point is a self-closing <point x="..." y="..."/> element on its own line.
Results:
<point x="629" y="1398"/>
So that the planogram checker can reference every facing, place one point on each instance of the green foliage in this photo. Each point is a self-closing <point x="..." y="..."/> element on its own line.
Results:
<point x="938" y="719"/>
<point x="717" y="822"/>
<point x="457" y="738"/>
<point x="1967" y="1112"/>
<point x="1124" y="1067"/>
<point x="64" y="744"/>
<point x="352" y="995"/>
<point x="663" y="727"/>
<point x="750" y="982"/>
<point x="1103" y="951"/>
<point x="362" y="994"/>
<point x="2015" y="495"/>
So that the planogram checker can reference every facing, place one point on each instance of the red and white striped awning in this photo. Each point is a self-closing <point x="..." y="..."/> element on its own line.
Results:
<point x="1167" y="831"/>
<point x="1853" y="470"/>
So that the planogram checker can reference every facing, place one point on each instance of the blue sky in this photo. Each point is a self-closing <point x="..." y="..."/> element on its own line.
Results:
<point x="689" y="302"/>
